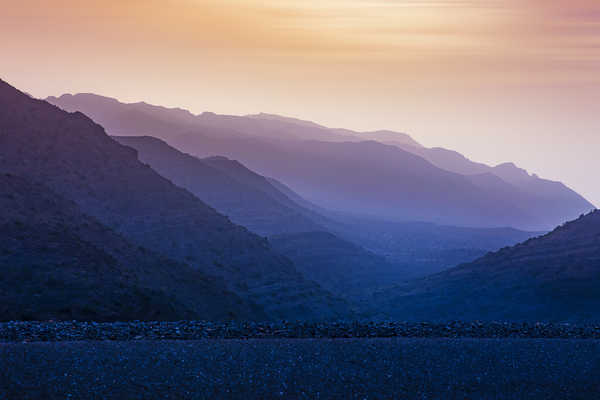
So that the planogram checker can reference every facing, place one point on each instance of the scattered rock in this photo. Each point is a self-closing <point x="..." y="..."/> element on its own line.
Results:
<point x="195" y="330"/>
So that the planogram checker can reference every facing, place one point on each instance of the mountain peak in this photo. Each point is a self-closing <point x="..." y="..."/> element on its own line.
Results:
<point x="281" y="118"/>
<point x="400" y="139"/>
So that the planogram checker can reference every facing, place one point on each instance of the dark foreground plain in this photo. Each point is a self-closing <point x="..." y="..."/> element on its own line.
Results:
<point x="422" y="368"/>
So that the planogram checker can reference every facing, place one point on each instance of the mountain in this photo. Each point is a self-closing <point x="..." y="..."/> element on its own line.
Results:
<point x="555" y="277"/>
<point x="335" y="262"/>
<point x="409" y="249"/>
<point x="226" y="185"/>
<point x="75" y="157"/>
<point x="58" y="263"/>
<point x="373" y="179"/>
<point x="419" y="248"/>
<point x="339" y="266"/>
<point x="132" y="119"/>
<point x="532" y="193"/>
<point x="399" y="139"/>
<point x="339" y="169"/>
<point x="549" y="196"/>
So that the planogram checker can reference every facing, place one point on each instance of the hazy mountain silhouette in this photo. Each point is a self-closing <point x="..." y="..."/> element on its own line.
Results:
<point x="399" y="139"/>
<point x="270" y="208"/>
<point x="548" y="196"/>
<point x="340" y="266"/>
<point x="131" y="119"/>
<point x="77" y="159"/>
<point x="418" y="248"/>
<point x="336" y="169"/>
<point x="58" y="263"/>
<point x="233" y="190"/>
<point x="555" y="277"/>
<point x="372" y="178"/>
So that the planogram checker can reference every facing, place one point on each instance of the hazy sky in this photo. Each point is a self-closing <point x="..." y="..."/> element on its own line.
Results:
<point x="498" y="80"/>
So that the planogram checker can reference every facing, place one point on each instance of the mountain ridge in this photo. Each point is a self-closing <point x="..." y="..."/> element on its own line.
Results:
<point x="75" y="157"/>
<point x="282" y="150"/>
<point x="226" y="185"/>
<point x="554" y="277"/>
<point x="58" y="263"/>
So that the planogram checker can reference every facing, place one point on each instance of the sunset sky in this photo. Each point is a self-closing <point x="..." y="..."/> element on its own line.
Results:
<point x="498" y="80"/>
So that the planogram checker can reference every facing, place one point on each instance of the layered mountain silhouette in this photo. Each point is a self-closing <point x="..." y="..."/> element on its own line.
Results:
<point x="339" y="169"/>
<point x="555" y="277"/>
<point x="58" y="263"/>
<point x="74" y="157"/>
<point x="304" y="232"/>
<point x="340" y="266"/>
<point x="418" y="248"/>
<point x="448" y="160"/>
<point x="226" y="185"/>
<point x="552" y="197"/>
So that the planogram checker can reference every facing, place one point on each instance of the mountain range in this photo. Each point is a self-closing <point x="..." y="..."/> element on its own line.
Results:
<point x="325" y="247"/>
<point x="183" y="216"/>
<point x="382" y="174"/>
<point x="75" y="158"/>
<point x="247" y="198"/>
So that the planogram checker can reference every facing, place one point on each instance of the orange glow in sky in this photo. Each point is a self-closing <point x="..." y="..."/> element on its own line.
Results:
<point x="498" y="80"/>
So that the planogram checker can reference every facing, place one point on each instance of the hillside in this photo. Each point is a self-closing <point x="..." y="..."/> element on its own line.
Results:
<point x="226" y="185"/>
<point x="75" y="157"/>
<point x="341" y="267"/>
<point x="555" y="277"/>
<point x="58" y="263"/>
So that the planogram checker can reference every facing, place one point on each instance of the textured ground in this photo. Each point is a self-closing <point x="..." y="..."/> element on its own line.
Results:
<point x="303" y="368"/>
<point x="73" y="331"/>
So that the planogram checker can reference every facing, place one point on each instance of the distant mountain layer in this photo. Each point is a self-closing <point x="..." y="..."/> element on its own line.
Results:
<point x="419" y="249"/>
<point x="75" y="158"/>
<point x="58" y="263"/>
<point x="555" y="277"/>
<point x="343" y="170"/>
<point x="233" y="190"/>
<point x="269" y="208"/>
<point x="341" y="267"/>
<point x="552" y="197"/>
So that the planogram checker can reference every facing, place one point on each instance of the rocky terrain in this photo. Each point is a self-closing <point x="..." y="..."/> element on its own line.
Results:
<point x="303" y="369"/>
<point x="203" y="360"/>
<point x="18" y="331"/>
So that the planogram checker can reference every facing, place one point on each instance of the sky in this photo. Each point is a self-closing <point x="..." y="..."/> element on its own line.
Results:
<point x="497" y="80"/>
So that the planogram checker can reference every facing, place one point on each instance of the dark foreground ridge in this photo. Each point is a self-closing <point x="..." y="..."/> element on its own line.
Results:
<point x="196" y="330"/>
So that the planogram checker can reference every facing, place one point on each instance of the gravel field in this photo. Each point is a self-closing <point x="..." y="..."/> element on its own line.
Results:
<point x="197" y="330"/>
<point x="421" y="368"/>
